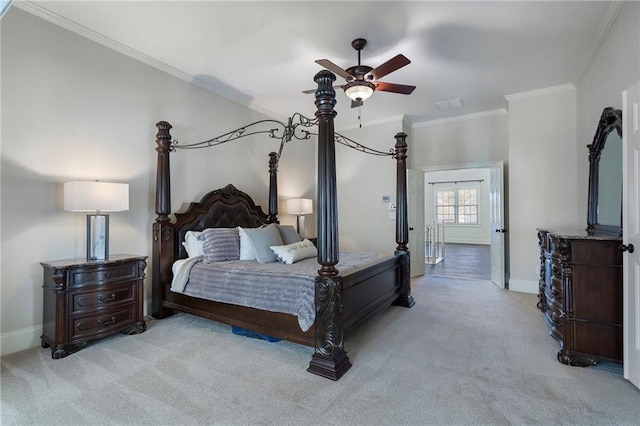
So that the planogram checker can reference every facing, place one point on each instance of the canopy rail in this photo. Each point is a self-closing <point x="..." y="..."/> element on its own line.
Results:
<point x="295" y="128"/>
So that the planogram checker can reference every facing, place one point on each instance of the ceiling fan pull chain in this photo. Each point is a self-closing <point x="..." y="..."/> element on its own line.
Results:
<point x="360" y="116"/>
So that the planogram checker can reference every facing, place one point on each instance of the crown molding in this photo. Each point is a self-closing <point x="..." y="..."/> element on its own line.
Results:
<point x="466" y="117"/>
<point x="110" y="43"/>
<point x="540" y="92"/>
<point x="603" y="31"/>
<point x="394" y="119"/>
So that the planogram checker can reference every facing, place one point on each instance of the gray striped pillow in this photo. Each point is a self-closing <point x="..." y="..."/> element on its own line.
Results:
<point x="220" y="244"/>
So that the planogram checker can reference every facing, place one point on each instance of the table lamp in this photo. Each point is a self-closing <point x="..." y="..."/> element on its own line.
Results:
<point x="300" y="207"/>
<point x="98" y="197"/>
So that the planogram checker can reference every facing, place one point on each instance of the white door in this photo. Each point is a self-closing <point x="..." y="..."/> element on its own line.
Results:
<point x="631" y="232"/>
<point x="415" y="211"/>
<point x="497" y="225"/>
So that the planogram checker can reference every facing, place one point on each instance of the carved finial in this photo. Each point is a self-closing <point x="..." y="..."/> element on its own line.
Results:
<point x="325" y="95"/>
<point x="273" y="161"/>
<point x="401" y="145"/>
<point x="163" y="130"/>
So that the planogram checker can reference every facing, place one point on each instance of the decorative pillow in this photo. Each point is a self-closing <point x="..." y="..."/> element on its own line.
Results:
<point x="289" y="234"/>
<point x="193" y="243"/>
<point x="262" y="239"/>
<point x="247" y="252"/>
<point x="220" y="244"/>
<point x="291" y="253"/>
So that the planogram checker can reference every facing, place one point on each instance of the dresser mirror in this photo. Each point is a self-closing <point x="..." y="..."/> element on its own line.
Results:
<point x="605" y="175"/>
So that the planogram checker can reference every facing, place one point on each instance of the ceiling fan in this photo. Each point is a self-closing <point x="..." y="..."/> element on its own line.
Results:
<point x="362" y="80"/>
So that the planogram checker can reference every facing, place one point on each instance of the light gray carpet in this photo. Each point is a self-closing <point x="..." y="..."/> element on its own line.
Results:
<point x="467" y="353"/>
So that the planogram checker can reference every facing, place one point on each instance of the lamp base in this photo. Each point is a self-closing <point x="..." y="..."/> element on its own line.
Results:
<point x="97" y="236"/>
<point x="300" y="225"/>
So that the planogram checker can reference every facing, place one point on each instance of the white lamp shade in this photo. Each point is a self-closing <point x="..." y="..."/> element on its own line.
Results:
<point x="299" y="206"/>
<point x="359" y="90"/>
<point x="83" y="196"/>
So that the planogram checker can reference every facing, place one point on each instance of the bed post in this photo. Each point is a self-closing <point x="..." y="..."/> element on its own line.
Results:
<point x="163" y="232"/>
<point x="402" y="222"/>
<point x="330" y="359"/>
<point x="273" y="188"/>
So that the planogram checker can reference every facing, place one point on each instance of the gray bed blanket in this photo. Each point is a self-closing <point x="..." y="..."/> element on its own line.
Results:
<point x="273" y="287"/>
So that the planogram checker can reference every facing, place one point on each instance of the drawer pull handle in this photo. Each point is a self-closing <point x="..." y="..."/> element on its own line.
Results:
<point x="107" y="322"/>
<point x="107" y="299"/>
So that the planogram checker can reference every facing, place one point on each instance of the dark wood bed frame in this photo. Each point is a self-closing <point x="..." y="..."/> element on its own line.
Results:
<point x="342" y="303"/>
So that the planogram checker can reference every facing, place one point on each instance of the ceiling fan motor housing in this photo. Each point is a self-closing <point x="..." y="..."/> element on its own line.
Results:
<point x="359" y="72"/>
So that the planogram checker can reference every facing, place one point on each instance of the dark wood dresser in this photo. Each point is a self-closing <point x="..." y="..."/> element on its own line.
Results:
<point x="86" y="300"/>
<point x="580" y="293"/>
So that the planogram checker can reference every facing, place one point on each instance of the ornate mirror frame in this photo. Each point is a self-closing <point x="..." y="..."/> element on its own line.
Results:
<point x="610" y="121"/>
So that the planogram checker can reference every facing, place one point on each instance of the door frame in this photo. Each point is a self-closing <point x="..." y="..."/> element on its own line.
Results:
<point x="484" y="165"/>
<point x="631" y="233"/>
<point x="416" y="212"/>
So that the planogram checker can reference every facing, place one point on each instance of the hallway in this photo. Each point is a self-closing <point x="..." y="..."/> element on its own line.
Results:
<point x="464" y="261"/>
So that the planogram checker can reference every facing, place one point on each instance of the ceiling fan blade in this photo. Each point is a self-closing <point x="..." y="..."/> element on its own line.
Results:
<point x="355" y="104"/>
<point x="339" y="86"/>
<point x="391" y="65"/>
<point x="334" y="68"/>
<point x="395" y="88"/>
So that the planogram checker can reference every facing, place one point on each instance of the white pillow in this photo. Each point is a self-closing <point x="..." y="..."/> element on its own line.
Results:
<point x="291" y="253"/>
<point x="193" y="243"/>
<point x="247" y="251"/>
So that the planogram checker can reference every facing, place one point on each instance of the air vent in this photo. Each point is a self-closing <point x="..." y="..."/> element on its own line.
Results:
<point x="451" y="104"/>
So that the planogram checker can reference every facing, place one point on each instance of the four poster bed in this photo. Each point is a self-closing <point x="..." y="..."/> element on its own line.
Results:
<point x="341" y="301"/>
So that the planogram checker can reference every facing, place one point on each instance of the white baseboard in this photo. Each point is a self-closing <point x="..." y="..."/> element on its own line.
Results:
<point x="27" y="338"/>
<point x="19" y="340"/>
<point x="147" y="308"/>
<point x="523" y="286"/>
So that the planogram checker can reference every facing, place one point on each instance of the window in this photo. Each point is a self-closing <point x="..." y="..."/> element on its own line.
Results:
<point x="457" y="206"/>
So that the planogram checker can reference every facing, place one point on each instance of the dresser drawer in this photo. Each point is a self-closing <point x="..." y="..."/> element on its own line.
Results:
<point x="104" y="298"/>
<point x="94" y="325"/>
<point x="102" y="275"/>
<point x="596" y="253"/>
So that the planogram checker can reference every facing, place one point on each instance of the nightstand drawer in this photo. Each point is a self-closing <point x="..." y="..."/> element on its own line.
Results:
<point x="102" y="275"/>
<point x="87" y="300"/>
<point x="104" y="298"/>
<point x="105" y="323"/>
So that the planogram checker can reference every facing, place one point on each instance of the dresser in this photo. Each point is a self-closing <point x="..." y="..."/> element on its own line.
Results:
<point x="86" y="300"/>
<point x="580" y="294"/>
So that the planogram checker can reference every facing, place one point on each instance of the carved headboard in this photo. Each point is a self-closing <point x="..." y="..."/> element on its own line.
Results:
<point x="226" y="207"/>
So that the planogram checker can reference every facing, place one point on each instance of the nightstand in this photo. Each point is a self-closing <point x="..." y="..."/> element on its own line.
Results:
<point x="86" y="300"/>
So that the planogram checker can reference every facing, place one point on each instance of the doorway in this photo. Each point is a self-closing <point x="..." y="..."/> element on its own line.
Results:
<point x="472" y="247"/>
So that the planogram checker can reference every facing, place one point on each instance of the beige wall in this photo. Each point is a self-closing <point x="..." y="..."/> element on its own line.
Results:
<point x="362" y="181"/>
<point x="468" y="139"/>
<point x="75" y="110"/>
<point x="542" y="176"/>
<point x="614" y="68"/>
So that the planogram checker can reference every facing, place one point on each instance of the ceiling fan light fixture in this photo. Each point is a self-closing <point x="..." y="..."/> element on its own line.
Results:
<point x="359" y="90"/>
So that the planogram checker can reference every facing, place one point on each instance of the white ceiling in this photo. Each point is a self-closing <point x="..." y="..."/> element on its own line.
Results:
<point x="262" y="54"/>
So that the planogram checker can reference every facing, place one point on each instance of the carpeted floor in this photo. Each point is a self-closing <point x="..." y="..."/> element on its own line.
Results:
<point x="467" y="353"/>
